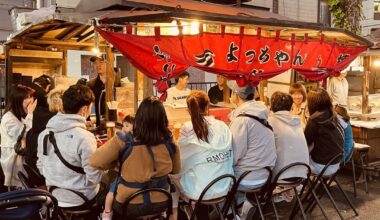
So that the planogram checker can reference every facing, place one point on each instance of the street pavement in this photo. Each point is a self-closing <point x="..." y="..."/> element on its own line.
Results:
<point x="368" y="205"/>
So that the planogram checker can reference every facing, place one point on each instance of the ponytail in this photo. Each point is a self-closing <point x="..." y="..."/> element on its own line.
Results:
<point x="197" y="103"/>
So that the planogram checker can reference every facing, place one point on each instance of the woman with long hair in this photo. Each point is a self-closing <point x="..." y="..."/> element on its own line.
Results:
<point x="206" y="151"/>
<point x="16" y="121"/>
<point x="323" y="132"/>
<point x="145" y="155"/>
<point x="299" y="107"/>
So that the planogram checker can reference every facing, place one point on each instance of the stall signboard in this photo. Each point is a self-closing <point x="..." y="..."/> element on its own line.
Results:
<point x="244" y="58"/>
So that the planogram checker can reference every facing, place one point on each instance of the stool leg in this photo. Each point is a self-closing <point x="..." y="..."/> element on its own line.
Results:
<point x="353" y="175"/>
<point x="331" y="199"/>
<point x="346" y="197"/>
<point x="275" y="210"/>
<point x="364" y="171"/>
<point x="259" y="206"/>
<point x="300" y="203"/>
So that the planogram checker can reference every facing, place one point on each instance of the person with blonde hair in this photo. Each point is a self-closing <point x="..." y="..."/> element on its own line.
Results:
<point x="54" y="99"/>
<point x="299" y="107"/>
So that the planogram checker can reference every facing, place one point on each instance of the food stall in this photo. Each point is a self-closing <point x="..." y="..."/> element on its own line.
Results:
<point x="60" y="45"/>
<point x="364" y="103"/>
<point x="242" y="44"/>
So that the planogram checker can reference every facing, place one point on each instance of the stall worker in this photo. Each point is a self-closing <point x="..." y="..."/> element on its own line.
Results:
<point x="299" y="107"/>
<point x="216" y="92"/>
<point x="337" y="87"/>
<point x="97" y="85"/>
<point x="252" y="138"/>
<point x="177" y="94"/>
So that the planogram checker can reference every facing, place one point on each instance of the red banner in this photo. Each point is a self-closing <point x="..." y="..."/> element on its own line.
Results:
<point x="245" y="58"/>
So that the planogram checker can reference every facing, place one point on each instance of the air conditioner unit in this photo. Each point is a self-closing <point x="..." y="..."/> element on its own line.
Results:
<point x="67" y="3"/>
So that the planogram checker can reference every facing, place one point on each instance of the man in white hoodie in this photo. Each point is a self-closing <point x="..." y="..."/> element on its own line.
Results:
<point x="75" y="145"/>
<point x="252" y="137"/>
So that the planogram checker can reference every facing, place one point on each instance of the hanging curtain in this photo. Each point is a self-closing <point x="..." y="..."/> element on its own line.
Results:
<point x="244" y="58"/>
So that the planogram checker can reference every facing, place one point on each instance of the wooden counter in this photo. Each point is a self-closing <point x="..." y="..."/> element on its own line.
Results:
<point x="369" y="135"/>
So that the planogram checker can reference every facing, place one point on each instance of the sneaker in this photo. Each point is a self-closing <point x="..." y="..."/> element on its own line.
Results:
<point x="107" y="216"/>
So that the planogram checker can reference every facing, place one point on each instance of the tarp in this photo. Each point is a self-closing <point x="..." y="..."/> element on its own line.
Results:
<point x="245" y="58"/>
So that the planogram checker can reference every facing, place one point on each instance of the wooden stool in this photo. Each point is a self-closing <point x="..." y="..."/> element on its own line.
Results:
<point x="362" y="150"/>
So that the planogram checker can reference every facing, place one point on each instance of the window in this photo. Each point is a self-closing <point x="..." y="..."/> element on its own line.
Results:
<point x="324" y="16"/>
<point x="376" y="5"/>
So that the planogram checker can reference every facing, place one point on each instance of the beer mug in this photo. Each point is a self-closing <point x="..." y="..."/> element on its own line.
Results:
<point x="176" y="131"/>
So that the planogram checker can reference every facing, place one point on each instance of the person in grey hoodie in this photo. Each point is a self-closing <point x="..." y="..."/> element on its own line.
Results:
<point x="290" y="140"/>
<point x="75" y="144"/>
<point x="252" y="142"/>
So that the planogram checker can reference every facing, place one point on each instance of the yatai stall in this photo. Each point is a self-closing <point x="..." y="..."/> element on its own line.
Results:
<point x="242" y="44"/>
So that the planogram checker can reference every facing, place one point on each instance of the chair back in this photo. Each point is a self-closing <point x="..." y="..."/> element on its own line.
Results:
<point x="168" y="209"/>
<point x="262" y="189"/>
<point x="229" y="195"/>
<point x="322" y="173"/>
<point x="84" y="208"/>
<point x="295" y="180"/>
<point x="28" y="204"/>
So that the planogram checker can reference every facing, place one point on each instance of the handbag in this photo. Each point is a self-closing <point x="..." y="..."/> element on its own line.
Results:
<point x="14" y="163"/>
<point x="20" y="145"/>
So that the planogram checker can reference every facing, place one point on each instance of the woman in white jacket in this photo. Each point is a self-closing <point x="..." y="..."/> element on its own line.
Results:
<point x="206" y="151"/>
<point x="18" y="114"/>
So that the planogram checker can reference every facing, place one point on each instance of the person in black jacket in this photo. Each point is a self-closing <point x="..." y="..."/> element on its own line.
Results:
<point x="324" y="134"/>
<point x="41" y="116"/>
<point x="216" y="92"/>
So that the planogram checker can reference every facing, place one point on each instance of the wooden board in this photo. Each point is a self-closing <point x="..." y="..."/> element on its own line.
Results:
<point x="36" y="54"/>
<point x="177" y="116"/>
<point x="126" y="97"/>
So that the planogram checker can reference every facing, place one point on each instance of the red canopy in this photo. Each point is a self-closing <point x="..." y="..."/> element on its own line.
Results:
<point x="245" y="58"/>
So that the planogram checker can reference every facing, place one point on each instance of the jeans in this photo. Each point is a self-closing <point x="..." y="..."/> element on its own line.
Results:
<point x="317" y="168"/>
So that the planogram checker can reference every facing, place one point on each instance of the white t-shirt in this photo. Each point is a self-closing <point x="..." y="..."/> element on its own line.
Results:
<point x="338" y="89"/>
<point x="176" y="97"/>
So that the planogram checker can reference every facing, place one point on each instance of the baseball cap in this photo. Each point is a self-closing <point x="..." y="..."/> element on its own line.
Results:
<point x="94" y="58"/>
<point x="242" y="92"/>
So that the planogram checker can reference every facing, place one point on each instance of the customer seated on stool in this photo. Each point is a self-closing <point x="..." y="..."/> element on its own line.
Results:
<point x="289" y="138"/>
<point x="323" y="132"/>
<point x="344" y="120"/>
<point x="206" y="152"/>
<point x="151" y="158"/>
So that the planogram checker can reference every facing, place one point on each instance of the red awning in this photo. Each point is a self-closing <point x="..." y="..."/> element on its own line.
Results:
<point x="245" y="58"/>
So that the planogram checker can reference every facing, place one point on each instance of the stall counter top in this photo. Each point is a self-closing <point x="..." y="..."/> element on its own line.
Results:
<point x="366" y="124"/>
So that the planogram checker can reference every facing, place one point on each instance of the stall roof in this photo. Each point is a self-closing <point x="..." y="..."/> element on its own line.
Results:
<point x="169" y="10"/>
<point x="69" y="30"/>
